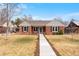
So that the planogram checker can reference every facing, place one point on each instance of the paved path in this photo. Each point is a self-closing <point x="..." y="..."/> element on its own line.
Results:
<point x="45" y="48"/>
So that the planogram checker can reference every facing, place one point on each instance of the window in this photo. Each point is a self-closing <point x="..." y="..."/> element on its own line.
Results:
<point x="35" y="28"/>
<point x="25" y="28"/>
<point x="55" y="29"/>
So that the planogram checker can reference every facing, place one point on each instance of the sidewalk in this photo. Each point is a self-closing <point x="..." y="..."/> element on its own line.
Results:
<point x="45" y="48"/>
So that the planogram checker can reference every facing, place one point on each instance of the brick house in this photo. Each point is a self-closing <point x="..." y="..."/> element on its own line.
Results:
<point x="35" y="27"/>
<point x="72" y="27"/>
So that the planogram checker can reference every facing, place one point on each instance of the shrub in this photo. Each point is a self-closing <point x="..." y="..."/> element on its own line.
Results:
<point x="60" y="32"/>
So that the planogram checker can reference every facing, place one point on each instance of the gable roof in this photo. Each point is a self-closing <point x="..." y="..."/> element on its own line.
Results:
<point x="10" y="24"/>
<point x="2" y="22"/>
<point x="76" y="22"/>
<point x="38" y="23"/>
<point x="55" y="23"/>
<point x="25" y="24"/>
<point x="34" y="23"/>
<point x="41" y="23"/>
<point x="66" y="23"/>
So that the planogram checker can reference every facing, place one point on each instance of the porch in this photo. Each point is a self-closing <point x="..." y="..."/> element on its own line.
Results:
<point x="38" y="29"/>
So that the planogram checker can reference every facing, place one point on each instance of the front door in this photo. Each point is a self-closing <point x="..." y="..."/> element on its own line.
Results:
<point x="40" y="29"/>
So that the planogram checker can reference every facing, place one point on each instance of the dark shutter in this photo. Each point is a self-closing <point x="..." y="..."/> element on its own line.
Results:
<point x="22" y="28"/>
<point x="51" y="28"/>
<point x="55" y="28"/>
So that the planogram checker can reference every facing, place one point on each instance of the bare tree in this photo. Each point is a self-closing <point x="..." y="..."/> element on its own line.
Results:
<point x="2" y="16"/>
<point x="10" y="11"/>
<point x="27" y="18"/>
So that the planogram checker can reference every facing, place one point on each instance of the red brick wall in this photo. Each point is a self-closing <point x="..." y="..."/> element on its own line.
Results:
<point x="35" y="32"/>
<point x="61" y="28"/>
<point x="26" y="33"/>
<point x="2" y="29"/>
<point x="30" y="30"/>
<point x="48" y="30"/>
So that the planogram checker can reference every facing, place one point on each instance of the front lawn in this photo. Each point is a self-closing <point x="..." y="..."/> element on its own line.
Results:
<point x="64" y="44"/>
<point x="18" y="45"/>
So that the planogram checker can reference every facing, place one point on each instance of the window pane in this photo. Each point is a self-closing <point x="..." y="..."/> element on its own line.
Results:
<point x="56" y="29"/>
<point x="35" y="28"/>
<point x="25" y="28"/>
<point x="53" y="28"/>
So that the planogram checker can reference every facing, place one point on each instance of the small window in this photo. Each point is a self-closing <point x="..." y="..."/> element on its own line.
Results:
<point x="55" y="29"/>
<point x="25" y="29"/>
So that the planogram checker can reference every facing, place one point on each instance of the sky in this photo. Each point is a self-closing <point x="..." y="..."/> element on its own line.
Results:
<point x="48" y="11"/>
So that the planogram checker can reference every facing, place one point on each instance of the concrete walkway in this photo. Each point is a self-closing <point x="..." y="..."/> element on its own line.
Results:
<point x="45" y="48"/>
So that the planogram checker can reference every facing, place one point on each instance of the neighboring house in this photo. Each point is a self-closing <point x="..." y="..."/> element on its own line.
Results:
<point x="72" y="27"/>
<point x="3" y="27"/>
<point x="35" y="27"/>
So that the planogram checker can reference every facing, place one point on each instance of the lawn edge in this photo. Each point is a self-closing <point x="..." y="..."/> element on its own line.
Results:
<point x="57" y="53"/>
<point x="36" y="53"/>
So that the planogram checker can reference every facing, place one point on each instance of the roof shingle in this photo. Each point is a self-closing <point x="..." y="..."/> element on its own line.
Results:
<point x="42" y="23"/>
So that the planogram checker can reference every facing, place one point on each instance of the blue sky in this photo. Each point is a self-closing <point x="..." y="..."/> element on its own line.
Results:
<point x="48" y="11"/>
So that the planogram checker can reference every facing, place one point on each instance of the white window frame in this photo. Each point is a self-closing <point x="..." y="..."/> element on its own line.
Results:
<point x="54" y="28"/>
<point x="24" y="29"/>
<point x="35" y="29"/>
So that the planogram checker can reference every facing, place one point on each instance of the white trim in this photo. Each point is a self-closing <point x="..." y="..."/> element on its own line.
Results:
<point x="26" y="29"/>
<point x="55" y="28"/>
